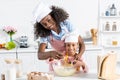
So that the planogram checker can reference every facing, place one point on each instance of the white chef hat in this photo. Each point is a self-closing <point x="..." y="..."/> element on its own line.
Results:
<point x="71" y="37"/>
<point x="40" y="11"/>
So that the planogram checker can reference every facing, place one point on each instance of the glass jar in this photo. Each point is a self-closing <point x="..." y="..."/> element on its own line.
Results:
<point x="10" y="73"/>
<point x="114" y="27"/>
<point x="18" y="65"/>
<point x="107" y="26"/>
<point x="113" y="10"/>
<point x="114" y="41"/>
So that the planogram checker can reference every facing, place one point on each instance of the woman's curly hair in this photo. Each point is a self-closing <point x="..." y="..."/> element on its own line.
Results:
<point x="58" y="14"/>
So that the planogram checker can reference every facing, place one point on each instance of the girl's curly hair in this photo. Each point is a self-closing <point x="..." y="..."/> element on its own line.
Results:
<point x="58" y="14"/>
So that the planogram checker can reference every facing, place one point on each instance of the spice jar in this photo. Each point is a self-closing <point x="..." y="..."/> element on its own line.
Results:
<point x="107" y="26"/>
<point x="114" y="27"/>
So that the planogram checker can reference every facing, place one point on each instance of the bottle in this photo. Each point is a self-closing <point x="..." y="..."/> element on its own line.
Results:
<point x="113" y="10"/>
<point x="107" y="13"/>
<point x="2" y="76"/>
<point x="107" y="26"/>
<point x="18" y="64"/>
<point x="114" y="27"/>
<point x="10" y="73"/>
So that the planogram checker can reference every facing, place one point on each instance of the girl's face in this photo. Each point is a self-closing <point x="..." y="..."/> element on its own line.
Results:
<point x="48" y="22"/>
<point x="71" y="48"/>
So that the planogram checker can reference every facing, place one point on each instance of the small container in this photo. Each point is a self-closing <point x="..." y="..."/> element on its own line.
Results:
<point x="107" y="13"/>
<point x="18" y="64"/>
<point x="10" y="73"/>
<point x="114" y="43"/>
<point x="114" y="27"/>
<point x="113" y="10"/>
<point x="2" y="76"/>
<point x="107" y="26"/>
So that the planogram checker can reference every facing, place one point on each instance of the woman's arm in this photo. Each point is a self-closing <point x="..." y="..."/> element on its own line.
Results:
<point x="42" y="55"/>
<point x="81" y="47"/>
<point x="41" y="52"/>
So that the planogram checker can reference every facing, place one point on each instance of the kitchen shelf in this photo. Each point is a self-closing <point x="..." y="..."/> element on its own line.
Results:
<point x="111" y="46"/>
<point x="109" y="17"/>
<point x="110" y="32"/>
<point x="108" y="26"/>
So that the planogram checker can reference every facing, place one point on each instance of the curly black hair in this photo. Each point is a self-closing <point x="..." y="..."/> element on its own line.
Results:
<point x="58" y="14"/>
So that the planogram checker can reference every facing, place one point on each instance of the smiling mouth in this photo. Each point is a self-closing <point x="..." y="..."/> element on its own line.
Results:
<point x="50" y="27"/>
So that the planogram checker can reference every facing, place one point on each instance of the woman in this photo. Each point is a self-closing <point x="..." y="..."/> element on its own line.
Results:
<point x="51" y="25"/>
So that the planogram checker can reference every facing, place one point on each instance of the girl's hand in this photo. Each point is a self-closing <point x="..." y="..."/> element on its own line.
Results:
<point x="76" y="63"/>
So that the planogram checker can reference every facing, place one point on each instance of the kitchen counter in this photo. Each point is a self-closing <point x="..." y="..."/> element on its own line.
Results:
<point x="78" y="76"/>
<point x="91" y="75"/>
<point x="33" y="49"/>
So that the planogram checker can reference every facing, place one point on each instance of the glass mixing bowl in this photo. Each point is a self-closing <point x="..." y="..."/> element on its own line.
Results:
<point x="61" y="69"/>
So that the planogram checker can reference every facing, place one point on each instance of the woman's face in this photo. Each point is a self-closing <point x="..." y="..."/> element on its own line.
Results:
<point x="71" y="48"/>
<point x="48" y="22"/>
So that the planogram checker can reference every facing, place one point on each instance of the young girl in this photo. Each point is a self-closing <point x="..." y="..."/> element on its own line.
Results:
<point x="71" y="46"/>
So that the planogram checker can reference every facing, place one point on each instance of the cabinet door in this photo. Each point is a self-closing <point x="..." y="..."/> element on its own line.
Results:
<point x="41" y="65"/>
<point x="28" y="61"/>
<point x="90" y="57"/>
<point x="4" y="56"/>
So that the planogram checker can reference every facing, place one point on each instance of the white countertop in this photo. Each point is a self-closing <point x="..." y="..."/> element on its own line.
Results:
<point x="91" y="75"/>
<point x="78" y="76"/>
<point x="33" y="49"/>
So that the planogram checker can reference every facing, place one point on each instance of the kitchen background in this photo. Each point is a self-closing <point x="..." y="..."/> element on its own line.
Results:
<point x="84" y="14"/>
<point x="18" y="13"/>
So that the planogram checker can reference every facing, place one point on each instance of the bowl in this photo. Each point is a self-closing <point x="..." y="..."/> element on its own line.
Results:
<point x="61" y="69"/>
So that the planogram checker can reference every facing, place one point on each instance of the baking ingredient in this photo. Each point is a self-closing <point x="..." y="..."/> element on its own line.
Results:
<point x="64" y="71"/>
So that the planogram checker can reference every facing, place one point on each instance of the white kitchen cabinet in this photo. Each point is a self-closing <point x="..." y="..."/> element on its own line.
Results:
<point x="28" y="61"/>
<point x="4" y="56"/>
<point x="42" y="66"/>
<point x="90" y="58"/>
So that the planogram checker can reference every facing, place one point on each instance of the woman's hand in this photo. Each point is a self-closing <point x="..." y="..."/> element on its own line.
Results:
<point x="77" y="57"/>
<point x="56" y="55"/>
